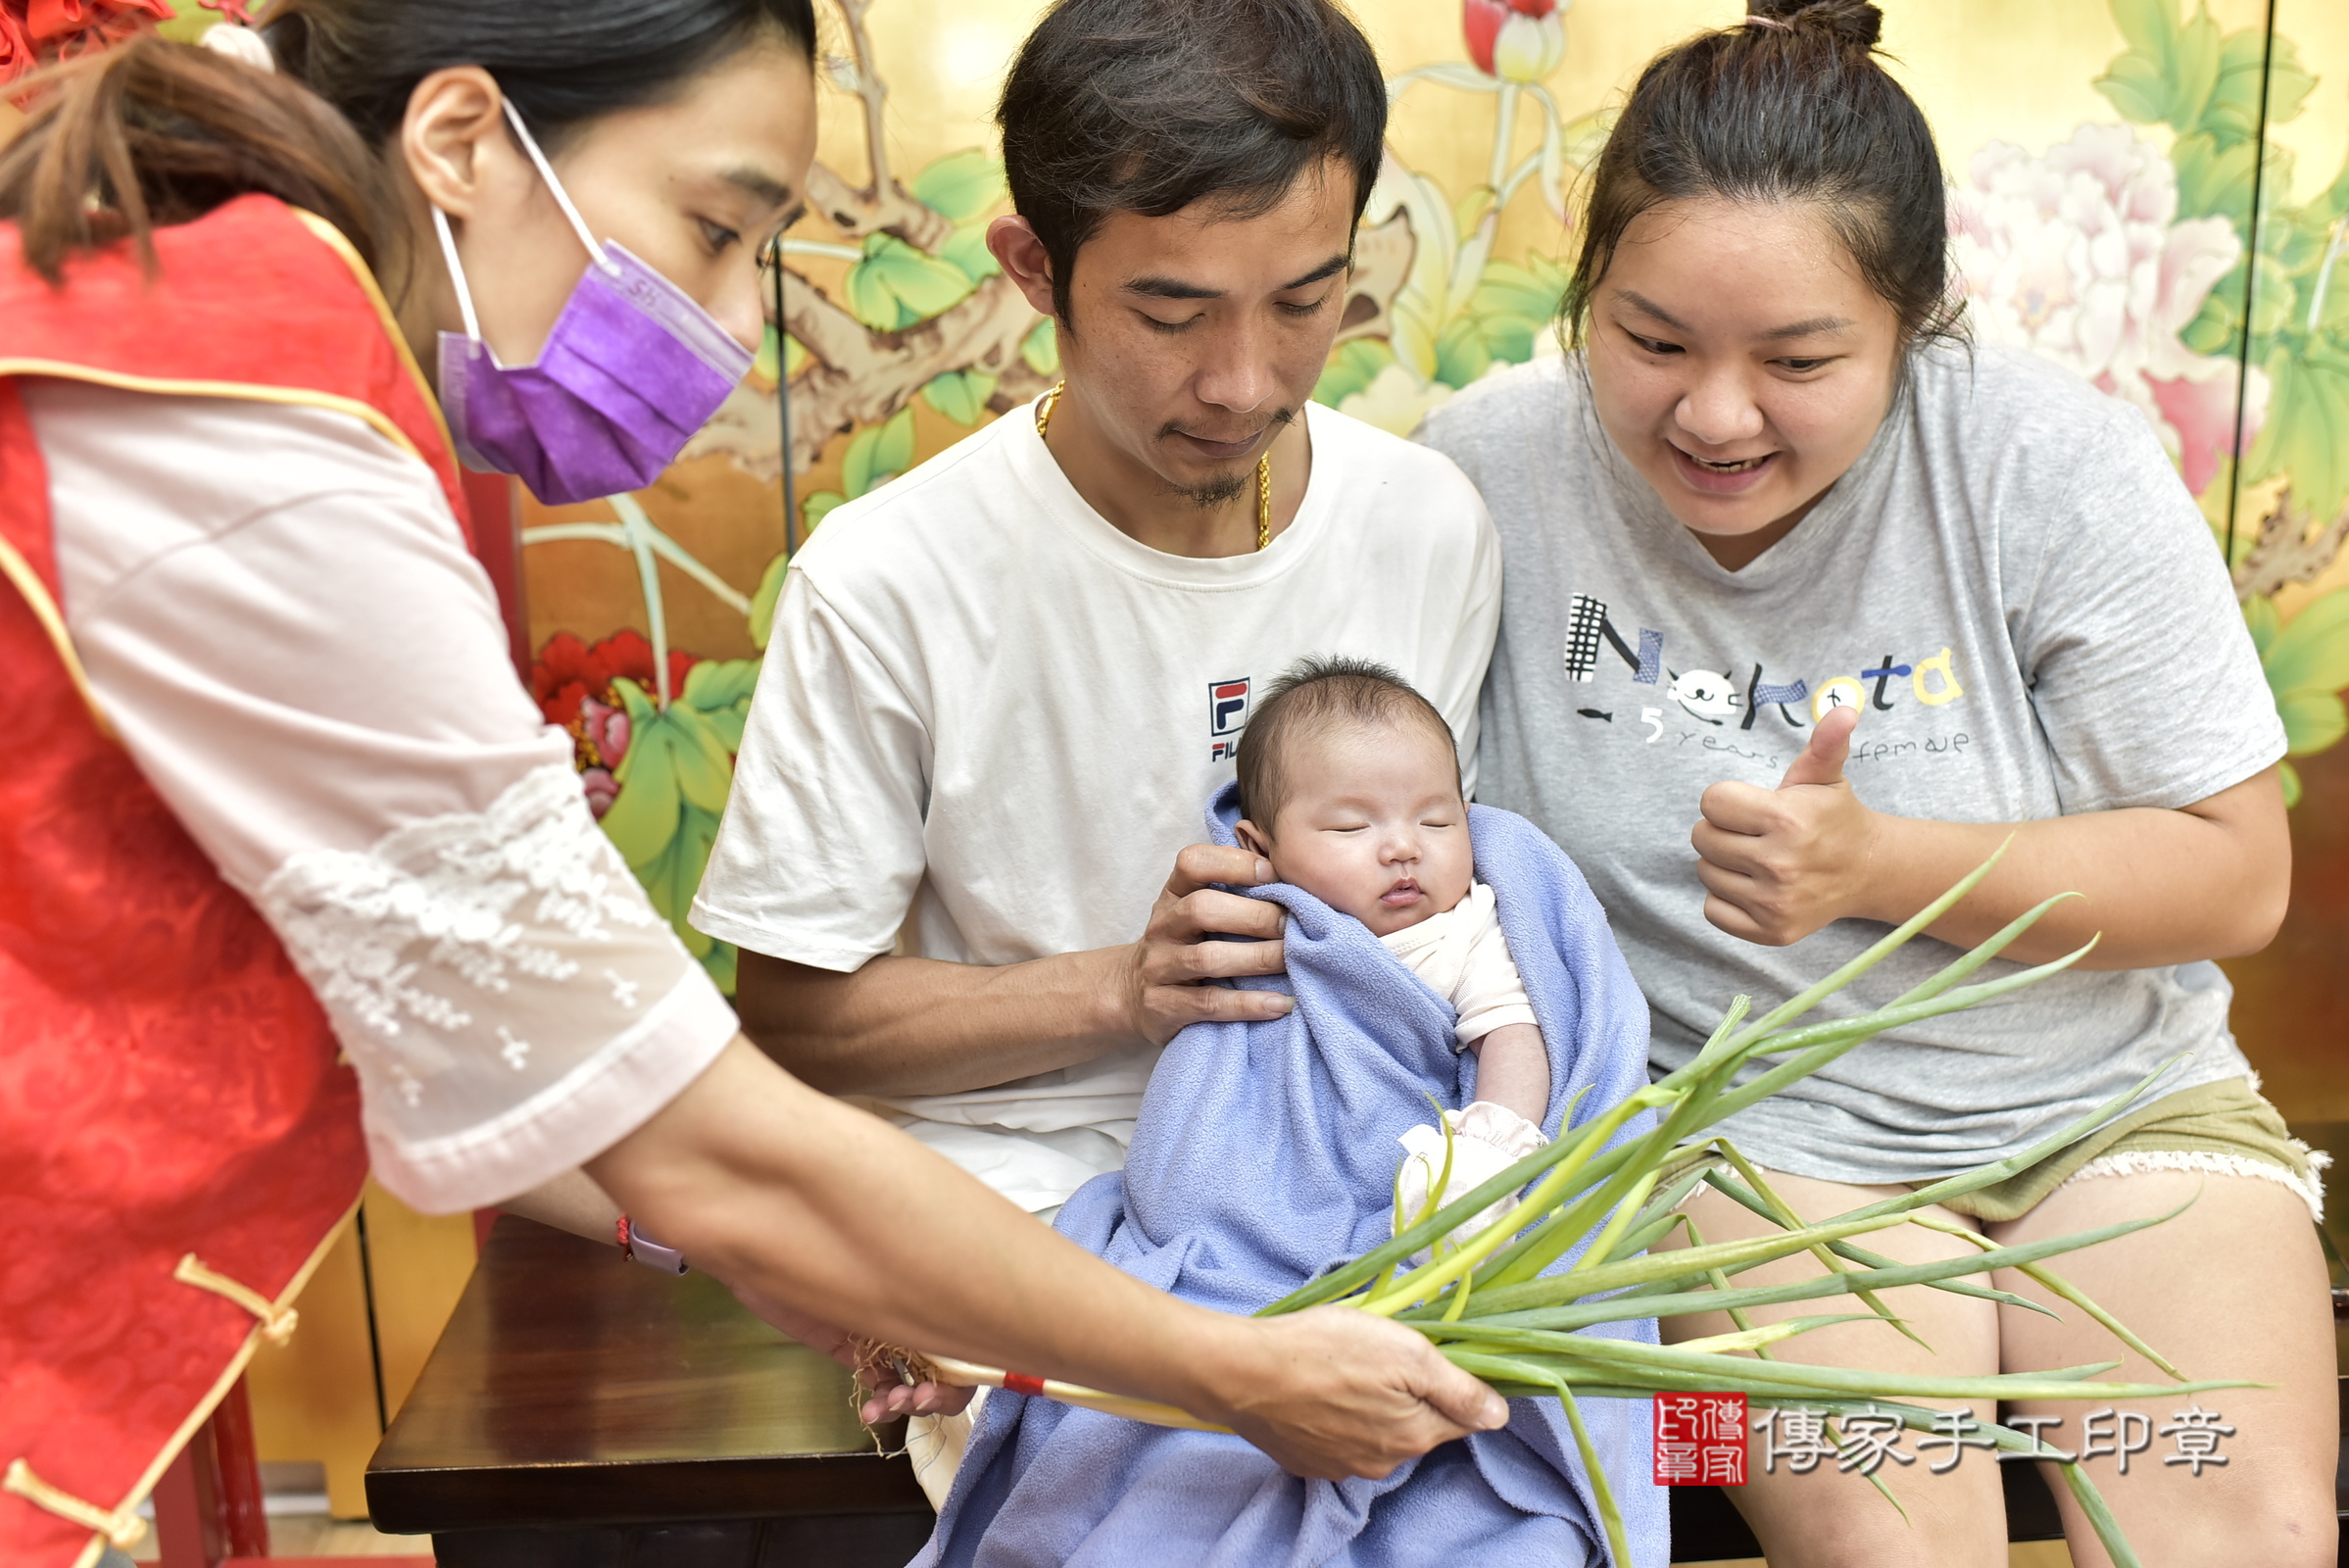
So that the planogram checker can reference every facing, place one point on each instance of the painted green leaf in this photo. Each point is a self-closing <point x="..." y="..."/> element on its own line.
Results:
<point x="878" y="454"/>
<point x="2331" y="298"/>
<point x="680" y="743"/>
<point x="2213" y="181"/>
<point x="962" y="185"/>
<point x="1516" y="305"/>
<point x="2259" y="614"/>
<point x="715" y="685"/>
<point x="1460" y="352"/>
<point x="2213" y="328"/>
<point x="1533" y="290"/>
<point x="2307" y="433"/>
<point x="966" y="248"/>
<point x="2311" y="655"/>
<point x="815" y="509"/>
<point x="2139" y="81"/>
<point x="1041" y="348"/>
<point x="960" y="395"/>
<point x="2312" y="721"/>
<point x="762" y="603"/>
<point x="2274" y="293"/>
<point x="857" y="463"/>
<point x="644" y="818"/>
<point x="2290" y="779"/>
<point x="2296" y="242"/>
<point x="2232" y="113"/>
<point x="2288" y="82"/>
<point x="896" y="285"/>
<point x="2149" y="26"/>
<point x="2193" y="68"/>
<point x="720" y="961"/>
<point x="2137" y="89"/>
<point x="1352" y="365"/>
<point x="672" y="878"/>
<point x="2333" y="200"/>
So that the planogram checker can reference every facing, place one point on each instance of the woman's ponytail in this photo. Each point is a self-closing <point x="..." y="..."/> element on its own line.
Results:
<point x="1854" y="22"/>
<point x="151" y="133"/>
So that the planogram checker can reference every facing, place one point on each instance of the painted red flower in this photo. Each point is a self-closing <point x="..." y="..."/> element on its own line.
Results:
<point x="70" y="24"/>
<point x="601" y="789"/>
<point x="15" y="49"/>
<point x="628" y="653"/>
<point x="606" y="729"/>
<point x="571" y="682"/>
<point x="1517" y="40"/>
<point x="565" y="672"/>
<point x="235" y="12"/>
<point x="42" y="32"/>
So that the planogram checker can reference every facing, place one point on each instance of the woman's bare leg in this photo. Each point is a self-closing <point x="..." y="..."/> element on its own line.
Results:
<point x="2235" y="1287"/>
<point x="1830" y="1518"/>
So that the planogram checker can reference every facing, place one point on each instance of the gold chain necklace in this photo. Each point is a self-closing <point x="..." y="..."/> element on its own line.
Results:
<point x="1044" y="426"/>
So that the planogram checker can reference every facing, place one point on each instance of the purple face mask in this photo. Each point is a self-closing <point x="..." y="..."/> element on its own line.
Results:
<point x="632" y="369"/>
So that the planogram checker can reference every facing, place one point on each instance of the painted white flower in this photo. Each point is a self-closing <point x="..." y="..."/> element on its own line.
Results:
<point x="1396" y="401"/>
<point x="2076" y="256"/>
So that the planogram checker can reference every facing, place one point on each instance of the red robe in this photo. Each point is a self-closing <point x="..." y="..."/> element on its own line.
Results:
<point x="168" y="1084"/>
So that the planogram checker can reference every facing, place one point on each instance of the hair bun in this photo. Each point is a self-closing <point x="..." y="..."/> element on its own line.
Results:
<point x="1848" y="21"/>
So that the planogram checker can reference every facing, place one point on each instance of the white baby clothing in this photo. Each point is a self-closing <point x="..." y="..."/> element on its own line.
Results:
<point x="1466" y="960"/>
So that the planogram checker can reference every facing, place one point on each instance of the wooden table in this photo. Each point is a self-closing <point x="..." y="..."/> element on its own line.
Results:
<point x="582" y="1411"/>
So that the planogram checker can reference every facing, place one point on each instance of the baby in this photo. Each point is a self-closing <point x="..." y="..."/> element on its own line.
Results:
<point x="1350" y="787"/>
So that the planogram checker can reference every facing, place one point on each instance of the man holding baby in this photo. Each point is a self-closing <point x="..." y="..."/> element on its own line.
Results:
<point x="1000" y="687"/>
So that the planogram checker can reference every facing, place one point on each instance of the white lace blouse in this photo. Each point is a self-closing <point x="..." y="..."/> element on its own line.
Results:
<point x="278" y="614"/>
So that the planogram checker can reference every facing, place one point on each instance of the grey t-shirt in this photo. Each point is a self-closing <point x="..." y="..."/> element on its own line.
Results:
<point x="2017" y="590"/>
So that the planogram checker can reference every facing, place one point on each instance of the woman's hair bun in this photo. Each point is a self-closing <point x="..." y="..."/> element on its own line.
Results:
<point x="1850" y="21"/>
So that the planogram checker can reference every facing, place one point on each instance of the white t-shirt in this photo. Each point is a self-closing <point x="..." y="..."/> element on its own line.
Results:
<point x="1466" y="960"/>
<point x="278" y="614"/>
<point x="990" y="719"/>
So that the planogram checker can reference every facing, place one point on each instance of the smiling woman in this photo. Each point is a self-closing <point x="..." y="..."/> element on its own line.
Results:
<point x="1772" y="495"/>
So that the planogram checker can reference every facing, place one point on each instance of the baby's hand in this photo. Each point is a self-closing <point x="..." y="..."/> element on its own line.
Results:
<point x="893" y="1399"/>
<point x="1486" y="1139"/>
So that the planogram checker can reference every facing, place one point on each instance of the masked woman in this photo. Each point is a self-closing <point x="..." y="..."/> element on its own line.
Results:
<point x="276" y="788"/>
<point x="1768" y="494"/>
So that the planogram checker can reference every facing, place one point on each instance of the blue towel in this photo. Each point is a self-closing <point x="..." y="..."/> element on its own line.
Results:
<point x="1266" y="1153"/>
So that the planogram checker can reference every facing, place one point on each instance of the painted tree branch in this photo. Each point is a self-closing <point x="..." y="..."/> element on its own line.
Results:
<point x="2287" y="552"/>
<point x="882" y="204"/>
<point x="859" y="376"/>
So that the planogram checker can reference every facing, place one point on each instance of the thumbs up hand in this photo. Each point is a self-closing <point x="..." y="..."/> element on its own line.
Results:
<point x="1777" y="864"/>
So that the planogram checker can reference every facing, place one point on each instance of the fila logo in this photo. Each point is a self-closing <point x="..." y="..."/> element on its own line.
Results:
<point x="1227" y="716"/>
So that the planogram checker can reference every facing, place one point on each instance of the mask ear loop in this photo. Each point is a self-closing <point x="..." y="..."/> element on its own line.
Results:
<point x="563" y="197"/>
<point x="464" y="293"/>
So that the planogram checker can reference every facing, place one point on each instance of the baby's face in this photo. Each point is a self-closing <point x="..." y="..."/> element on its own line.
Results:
<point x="1373" y="824"/>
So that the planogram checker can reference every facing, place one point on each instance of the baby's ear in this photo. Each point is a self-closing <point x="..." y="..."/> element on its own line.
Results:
<point x="1254" y="841"/>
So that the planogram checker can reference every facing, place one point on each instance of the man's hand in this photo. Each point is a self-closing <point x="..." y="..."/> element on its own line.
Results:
<point x="886" y="1400"/>
<point x="1166" y="979"/>
<point x="1777" y="864"/>
<point x="1335" y="1392"/>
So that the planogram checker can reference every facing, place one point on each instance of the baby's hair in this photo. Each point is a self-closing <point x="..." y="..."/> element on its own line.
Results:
<point x="1313" y="695"/>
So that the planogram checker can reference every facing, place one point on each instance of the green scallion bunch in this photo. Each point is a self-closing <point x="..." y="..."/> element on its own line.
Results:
<point x="1494" y="1312"/>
